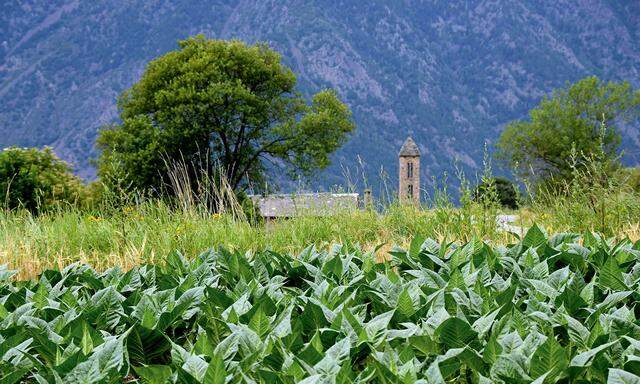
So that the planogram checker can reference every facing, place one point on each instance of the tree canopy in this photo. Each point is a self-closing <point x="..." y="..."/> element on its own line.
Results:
<point x="36" y="180"/>
<point x="566" y="124"/>
<point x="226" y="104"/>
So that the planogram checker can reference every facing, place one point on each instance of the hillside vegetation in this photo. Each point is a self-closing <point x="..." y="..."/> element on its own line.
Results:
<point x="450" y="74"/>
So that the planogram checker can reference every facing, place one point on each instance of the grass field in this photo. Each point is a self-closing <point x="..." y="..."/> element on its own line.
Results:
<point x="148" y="232"/>
<point x="126" y="230"/>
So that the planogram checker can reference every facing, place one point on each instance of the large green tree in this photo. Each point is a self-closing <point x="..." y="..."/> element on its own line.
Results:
<point x="215" y="104"/>
<point x="565" y="129"/>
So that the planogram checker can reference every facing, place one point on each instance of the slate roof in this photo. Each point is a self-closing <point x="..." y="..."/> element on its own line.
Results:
<point x="409" y="148"/>
<point x="316" y="204"/>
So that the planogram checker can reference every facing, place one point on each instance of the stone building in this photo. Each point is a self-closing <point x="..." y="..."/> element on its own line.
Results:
<point x="409" y="157"/>
<point x="286" y="206"/>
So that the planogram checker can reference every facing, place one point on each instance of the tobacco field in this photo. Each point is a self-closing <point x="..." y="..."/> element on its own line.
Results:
<point x="546" y="309"/>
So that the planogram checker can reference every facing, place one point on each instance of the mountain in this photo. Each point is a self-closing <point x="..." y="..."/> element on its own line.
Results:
<point x="448" y="73"/>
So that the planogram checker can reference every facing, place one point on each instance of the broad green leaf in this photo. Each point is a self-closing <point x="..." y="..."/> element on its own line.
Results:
<point x="147" y="346"/>
<point x="455" y="333"/>
<point x="216" y="372"/>
<point x="14" y="376"/>
<point x="541" y="379"/>
<point x="484" y="323"/>
<point x="544" y="288"/>
<point x="618" y="376"/>
<point x="260" y="323"/>
<point x="585" y="359"/>
<point x="86" y="343"/>
<point x="6" y="273"/>
<point x="416" y="246"/>
<point x="578" y="333"/>
<point x="106" y="361"/>
<point x="405" y="304"/>
<point x="462" y="254"/>
<point x="549" y="359"/>
<point x="466" y="356"/>
<point x="154" y="374"/>
<point x="610" y="276"/>
<point x="283" y="323"/>
<point x="510" y="370"/>
<point x="39" y="298"/>
<point x="534" y="237"/>
<point x="378" y="324"/>
<point x="334" y="356"/>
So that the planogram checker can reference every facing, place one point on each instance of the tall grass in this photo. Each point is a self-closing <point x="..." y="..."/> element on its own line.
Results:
<point x="149" y="231"/>
<point x="124" y="233"/>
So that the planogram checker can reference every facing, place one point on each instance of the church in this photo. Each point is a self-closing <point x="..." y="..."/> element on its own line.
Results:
<point x="409" y="172"/>
<point x="282" y="206"/>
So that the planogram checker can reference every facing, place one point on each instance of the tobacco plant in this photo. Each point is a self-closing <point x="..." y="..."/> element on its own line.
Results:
<point x="543" y="310"/>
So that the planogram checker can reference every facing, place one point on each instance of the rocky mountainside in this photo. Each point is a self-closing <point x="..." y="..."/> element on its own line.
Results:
<point x="450" y="74"/>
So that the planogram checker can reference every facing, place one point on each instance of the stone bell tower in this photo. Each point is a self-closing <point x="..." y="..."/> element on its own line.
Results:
<point x="409" y="157"/>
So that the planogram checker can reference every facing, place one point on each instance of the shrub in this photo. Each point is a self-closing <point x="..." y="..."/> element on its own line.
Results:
<point x="36" y="180"/>
<point x="498" y="188"/>
<point x="249" y="209"/>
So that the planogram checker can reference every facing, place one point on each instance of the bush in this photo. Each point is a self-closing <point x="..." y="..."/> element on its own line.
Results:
<point x="250" y="210"/>
<point x="500" y="189"/>
<point x="36" y="180"/>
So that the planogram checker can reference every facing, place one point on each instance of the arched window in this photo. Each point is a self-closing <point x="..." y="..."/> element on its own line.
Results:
<point x="410" y="169"/>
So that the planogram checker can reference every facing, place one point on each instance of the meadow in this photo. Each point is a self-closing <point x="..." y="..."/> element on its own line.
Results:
<point x="151" y="230"/>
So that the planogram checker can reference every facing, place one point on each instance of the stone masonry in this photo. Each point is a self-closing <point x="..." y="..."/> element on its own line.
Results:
<point x="409" y="188"/>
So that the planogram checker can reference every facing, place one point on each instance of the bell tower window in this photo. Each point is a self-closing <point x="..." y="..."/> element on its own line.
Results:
<point x="410" y="169"/>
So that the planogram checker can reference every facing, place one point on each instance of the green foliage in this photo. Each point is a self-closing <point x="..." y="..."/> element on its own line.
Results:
<point x="250" y="211"/>
<point x="598" y="193"/>
<point x="36" y="180"/>
<point x="565" y="124"/>
<point x="545" y="310"/>
<point x="631" y="177"/>
<point x="217" y="104"/>
<point x="500" y="189"/>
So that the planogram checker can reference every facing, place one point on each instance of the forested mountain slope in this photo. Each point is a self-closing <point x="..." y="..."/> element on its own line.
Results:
<point x="448" y="73"/>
